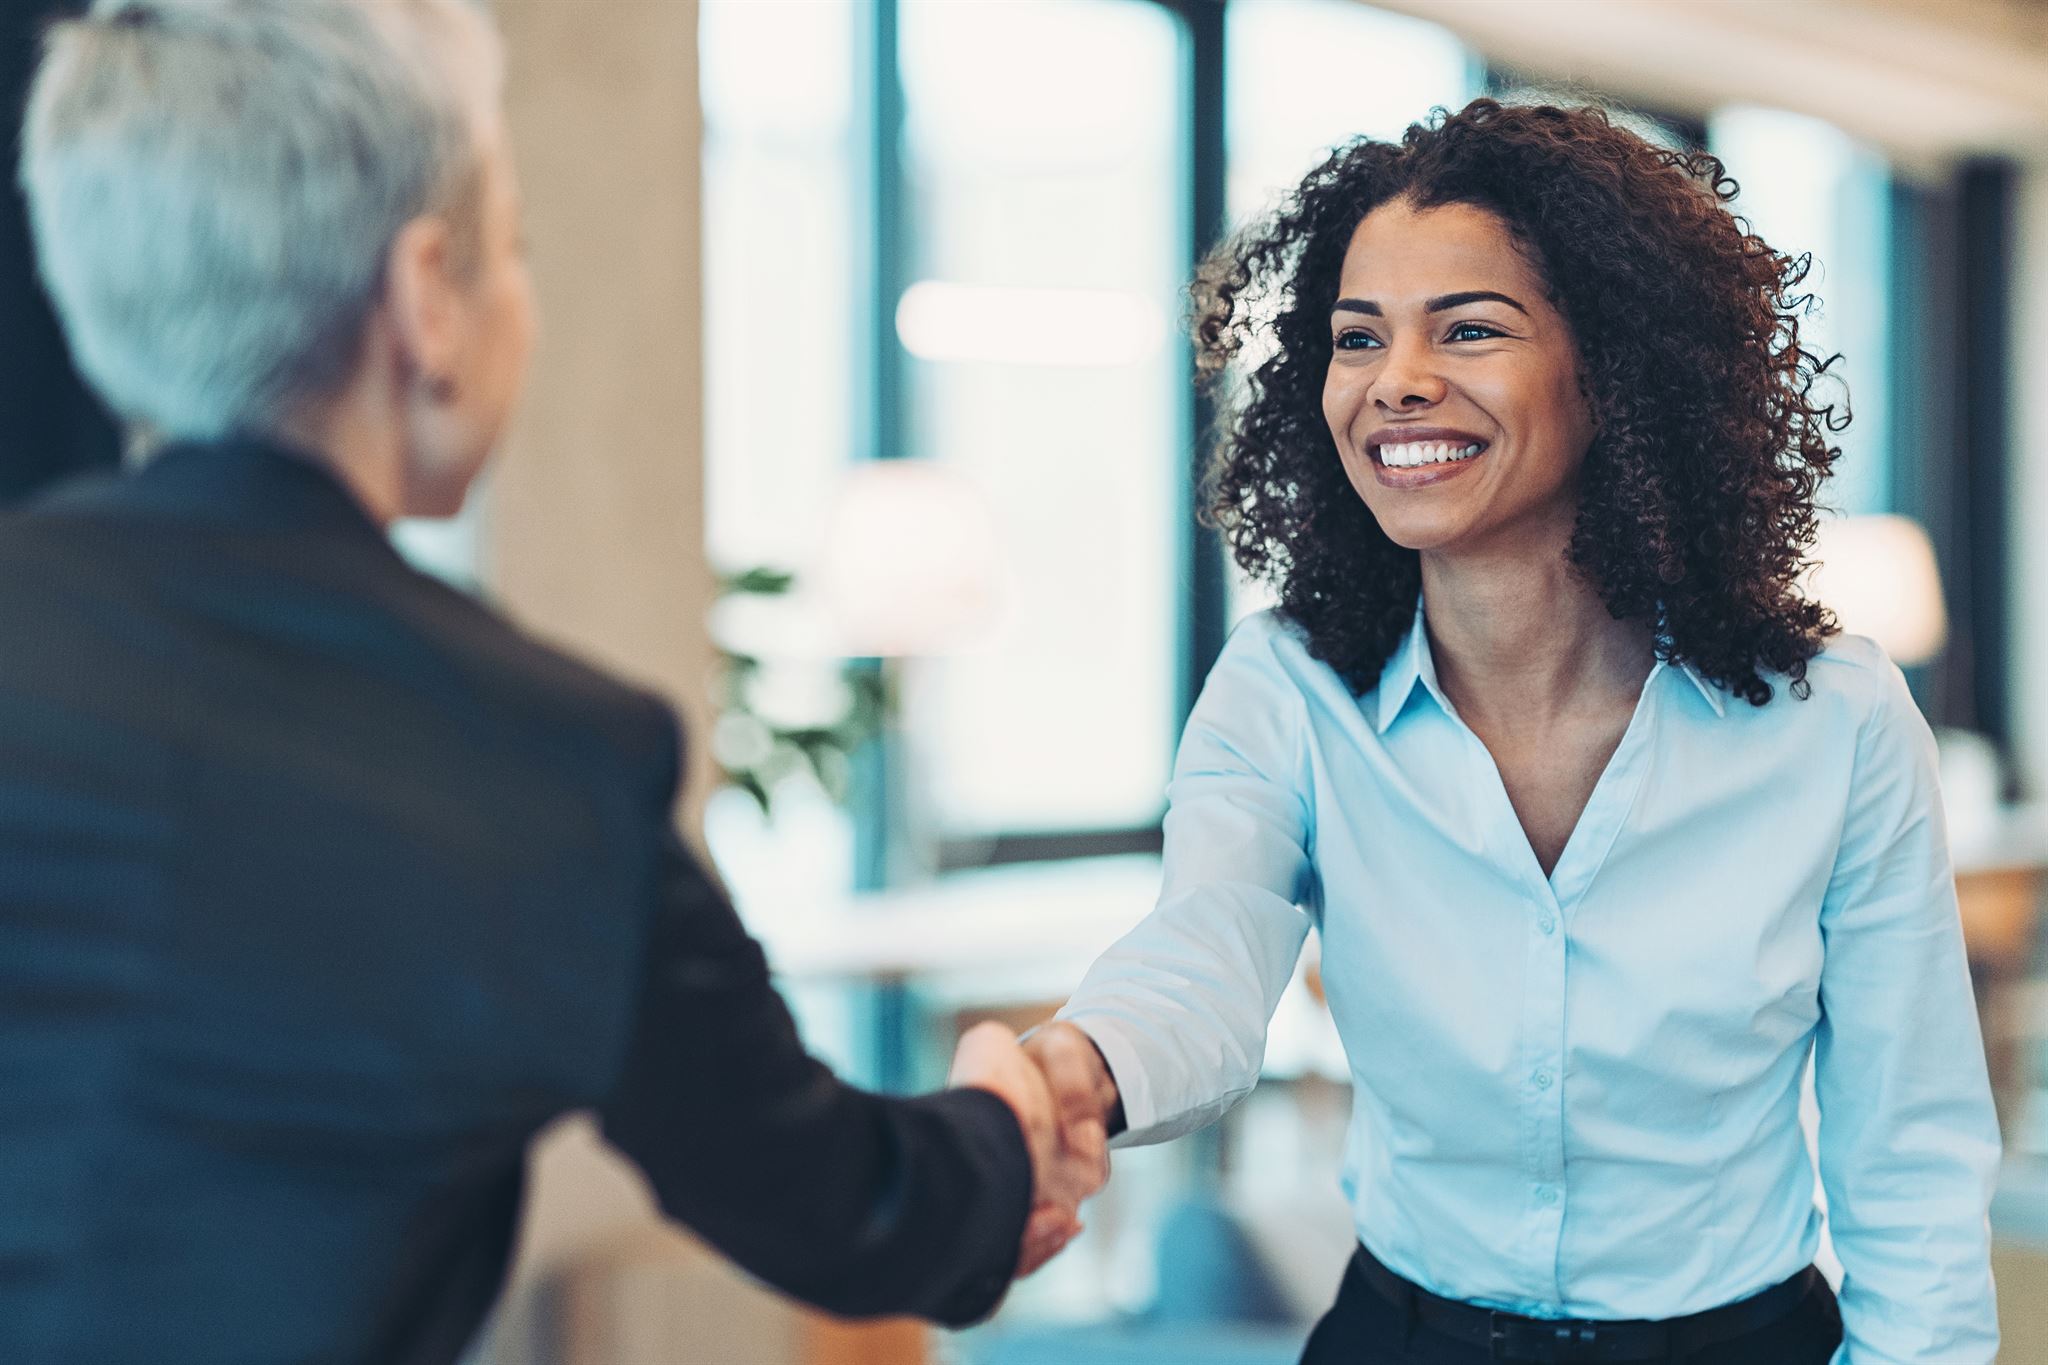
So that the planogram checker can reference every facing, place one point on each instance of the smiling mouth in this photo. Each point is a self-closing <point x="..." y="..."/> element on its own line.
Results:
<point x="1423" y="454"/>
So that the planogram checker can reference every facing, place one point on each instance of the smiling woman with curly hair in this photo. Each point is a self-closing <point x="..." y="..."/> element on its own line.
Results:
<point x="1606" y="831"/>
<point x="1696" y="495"/>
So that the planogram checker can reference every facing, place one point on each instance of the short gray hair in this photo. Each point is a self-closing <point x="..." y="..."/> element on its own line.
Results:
<point x="214" y="186"/>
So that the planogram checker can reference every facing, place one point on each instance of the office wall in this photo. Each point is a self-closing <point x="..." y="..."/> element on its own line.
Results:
<point x="592" y="527"/>
<point x="593" y="530"/>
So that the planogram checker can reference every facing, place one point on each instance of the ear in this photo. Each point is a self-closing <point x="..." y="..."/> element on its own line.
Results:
<point x="423" y="298"/>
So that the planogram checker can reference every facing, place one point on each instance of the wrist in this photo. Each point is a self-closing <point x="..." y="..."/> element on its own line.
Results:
<point x="1103" y="1097"/>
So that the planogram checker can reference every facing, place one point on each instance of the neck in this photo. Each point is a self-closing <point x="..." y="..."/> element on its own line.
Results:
<point x="1525" y="637"/>
<point x="348" y="439"/>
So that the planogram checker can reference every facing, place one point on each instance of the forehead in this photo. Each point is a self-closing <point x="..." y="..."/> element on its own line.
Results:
<point x="1400" y="252"/>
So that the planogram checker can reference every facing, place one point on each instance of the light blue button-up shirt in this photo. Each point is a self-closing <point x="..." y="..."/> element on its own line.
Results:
<point x="1578" y="1095"/>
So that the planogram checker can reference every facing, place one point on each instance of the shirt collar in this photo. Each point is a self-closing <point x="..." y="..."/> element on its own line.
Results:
<point x="1412" y="665"/>
<point x="1715" y="697"/>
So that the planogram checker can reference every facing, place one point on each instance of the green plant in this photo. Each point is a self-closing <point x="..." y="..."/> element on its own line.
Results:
<point x="756" y="752"/>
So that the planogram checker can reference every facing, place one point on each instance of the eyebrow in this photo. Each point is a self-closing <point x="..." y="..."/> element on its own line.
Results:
<point x="1436" y="305"/>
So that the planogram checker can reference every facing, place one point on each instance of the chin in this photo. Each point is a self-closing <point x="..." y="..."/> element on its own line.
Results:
<point x="437" y="497"/>
<point x="435" y="508"/>
<point x="1421" y="533"/>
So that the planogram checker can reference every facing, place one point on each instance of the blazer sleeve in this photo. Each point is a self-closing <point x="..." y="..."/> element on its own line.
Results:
<point x="856" y="1203"/>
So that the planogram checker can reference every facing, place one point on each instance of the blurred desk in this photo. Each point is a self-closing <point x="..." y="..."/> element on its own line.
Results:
<point x="1022" y="920"/>
<point x="1015" y="939"/>
<point x="2001" y="867"/>
<point x="1009" y="936"/>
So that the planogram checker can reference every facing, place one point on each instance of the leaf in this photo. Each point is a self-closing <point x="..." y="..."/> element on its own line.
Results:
<point x="760" y="582"/>
<point x="750" y="783"/>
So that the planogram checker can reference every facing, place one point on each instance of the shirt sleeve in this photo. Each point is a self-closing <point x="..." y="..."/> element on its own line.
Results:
<point x="1179" y="1007"/>
<point x="1908" y="1136"/>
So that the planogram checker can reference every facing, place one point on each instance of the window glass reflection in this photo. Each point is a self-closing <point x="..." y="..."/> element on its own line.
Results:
<point x="1042" y="154"/>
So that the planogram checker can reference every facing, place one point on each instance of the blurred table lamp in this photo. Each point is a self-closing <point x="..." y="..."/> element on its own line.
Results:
<point x="1878" y="575"/>
<point x="908" y="569"/>
<point x="908" y="564"/>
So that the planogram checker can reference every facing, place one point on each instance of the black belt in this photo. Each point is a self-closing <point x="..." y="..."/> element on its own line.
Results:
<point x="1553" y="1341"/>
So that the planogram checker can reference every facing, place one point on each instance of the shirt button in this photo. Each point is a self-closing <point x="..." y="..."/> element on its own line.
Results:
<point x="1545" y="1194"/>
<point x="1547" y="925"/>
<point x="1542" y="1079"/>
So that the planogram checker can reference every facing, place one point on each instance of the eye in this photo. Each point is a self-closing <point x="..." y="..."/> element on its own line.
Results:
<point x="1472" y="331"/>
<point x="1355" y="340"/>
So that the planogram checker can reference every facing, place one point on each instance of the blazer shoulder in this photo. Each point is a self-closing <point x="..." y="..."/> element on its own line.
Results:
<point x="632" y="719"/>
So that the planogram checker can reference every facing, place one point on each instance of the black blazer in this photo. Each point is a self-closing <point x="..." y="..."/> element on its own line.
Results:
<point x="321" y="889"/>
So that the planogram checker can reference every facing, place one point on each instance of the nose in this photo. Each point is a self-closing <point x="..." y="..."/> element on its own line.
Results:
<point x="1407" y="379"/>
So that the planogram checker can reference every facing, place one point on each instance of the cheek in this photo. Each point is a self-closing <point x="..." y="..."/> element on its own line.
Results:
<point x="1575" y="428"/>
<point x="516" y="324"/>
<point x="1341" y="391"/>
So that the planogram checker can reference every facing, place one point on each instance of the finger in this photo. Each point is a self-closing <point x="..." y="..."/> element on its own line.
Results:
<point x="1088" y="1143"/>
<point x="987" y="1057"/>
<point x="1049" y="1220"/>
<point x="1072" y="1180"/>
<point x="1070" y="1069"/>
<point x="1045" y="1241"/>
<point x="981" y="1049"/>
<point x="1053" y="1245"/>
<point x="1081" y="1083"/>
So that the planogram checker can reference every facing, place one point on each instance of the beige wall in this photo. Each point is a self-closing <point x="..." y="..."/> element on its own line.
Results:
<point x="592" y="525"/>
<point x="593" y="533"/>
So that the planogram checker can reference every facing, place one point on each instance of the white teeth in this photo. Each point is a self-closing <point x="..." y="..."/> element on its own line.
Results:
<point x="1408" y="454"/>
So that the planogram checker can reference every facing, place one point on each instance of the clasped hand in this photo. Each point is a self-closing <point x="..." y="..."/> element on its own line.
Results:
<point x="1063" y="1096"/>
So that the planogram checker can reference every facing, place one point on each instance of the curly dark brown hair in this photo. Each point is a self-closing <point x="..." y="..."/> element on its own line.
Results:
<point x="1697" y="496"/>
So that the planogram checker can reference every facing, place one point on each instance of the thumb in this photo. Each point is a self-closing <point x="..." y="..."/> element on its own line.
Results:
<point x="980" y="1053"/>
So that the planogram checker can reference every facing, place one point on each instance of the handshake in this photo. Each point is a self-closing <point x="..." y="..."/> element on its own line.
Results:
<point x="1065" y="1100"/>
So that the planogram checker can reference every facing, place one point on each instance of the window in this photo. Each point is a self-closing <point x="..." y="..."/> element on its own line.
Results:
<point x="780" y="261"/>
<point x="1042" y="184"/>
<point x="1305" y="76"/>
<point x="1806" y="186"/>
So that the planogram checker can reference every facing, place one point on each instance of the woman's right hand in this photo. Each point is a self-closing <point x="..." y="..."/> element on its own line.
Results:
<point x="1085" y="1103"/>
<point x="1083" y="1090"/>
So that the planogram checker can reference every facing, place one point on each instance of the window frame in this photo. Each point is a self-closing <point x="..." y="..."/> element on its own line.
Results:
<point x="1201" y="611"/>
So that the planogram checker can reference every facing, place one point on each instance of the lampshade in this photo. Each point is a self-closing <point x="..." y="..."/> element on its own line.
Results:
<point x="909" y="563"/>
<point x="1878" y="574"/>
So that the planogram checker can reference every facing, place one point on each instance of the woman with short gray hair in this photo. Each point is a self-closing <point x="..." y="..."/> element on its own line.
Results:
<point x="322" y="889"/>
<point x="271" y="218"/>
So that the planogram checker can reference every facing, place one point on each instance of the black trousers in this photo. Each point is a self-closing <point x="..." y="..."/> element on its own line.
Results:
<point x="1364" y="1329"/>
